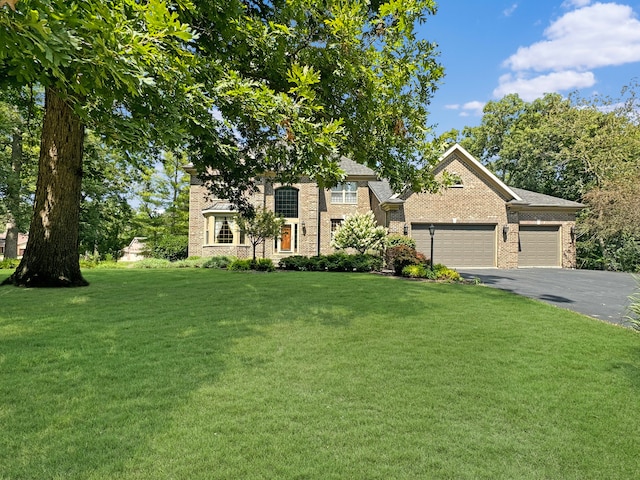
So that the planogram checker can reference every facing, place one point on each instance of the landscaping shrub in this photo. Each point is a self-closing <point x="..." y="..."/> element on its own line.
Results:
<point x="9" y="263"/>
<point x="294" y="262"/>
<point x="240" y="264"/>
<point x="396" y="239"/>
<point x="446" y="274"/>
<point x="335" y="262"/>
<point x="263" y="265"/>
<point x="416" y="271"/>
<point x="402" y="255"/>
<point x="221" y="261"/>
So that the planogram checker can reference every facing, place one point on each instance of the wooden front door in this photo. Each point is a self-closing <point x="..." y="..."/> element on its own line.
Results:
<point x="285" y="238"/>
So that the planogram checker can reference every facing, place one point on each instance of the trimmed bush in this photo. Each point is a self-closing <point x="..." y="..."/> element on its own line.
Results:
<point x="336" y="262"/>
<point x="446" y="274"/>
<point x="294" y="262"/>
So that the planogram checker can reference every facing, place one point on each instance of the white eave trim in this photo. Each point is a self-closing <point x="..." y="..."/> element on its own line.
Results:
<point x="482" y="168"/>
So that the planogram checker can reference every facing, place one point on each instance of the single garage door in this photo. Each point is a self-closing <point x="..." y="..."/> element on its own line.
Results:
<point x="539" y="246"/>
<point x="458" y="245"/>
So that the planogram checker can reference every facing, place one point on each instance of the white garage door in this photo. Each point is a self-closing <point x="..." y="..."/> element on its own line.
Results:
<point x="539" y="246"/>
<point x="458" y="245"/>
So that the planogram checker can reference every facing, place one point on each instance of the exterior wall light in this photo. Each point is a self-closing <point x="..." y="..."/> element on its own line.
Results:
<point x="405" y="230"/>
<point x="304" y="228"/>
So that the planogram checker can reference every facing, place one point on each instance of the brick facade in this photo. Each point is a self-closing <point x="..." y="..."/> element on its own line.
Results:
<point x="479" y="199"/>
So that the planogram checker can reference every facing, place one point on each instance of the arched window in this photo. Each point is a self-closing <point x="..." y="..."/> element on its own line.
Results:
<point x="286" y="199"/>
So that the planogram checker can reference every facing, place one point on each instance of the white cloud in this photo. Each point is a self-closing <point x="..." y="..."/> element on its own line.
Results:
<point x="509" y="11"/>
<point x="530" y="88"/>
<point x="575" y="3"/>
<point x="468" y="109"/>
<point x="599" y="35"/>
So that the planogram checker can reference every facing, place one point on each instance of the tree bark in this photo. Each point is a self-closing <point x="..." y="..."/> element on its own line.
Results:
<point x="51" y="257"/>
<point x="13" y="196"/>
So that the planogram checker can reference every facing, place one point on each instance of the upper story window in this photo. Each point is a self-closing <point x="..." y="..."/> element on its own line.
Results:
<point x="286" y="199"/>
<point x="346" y="192"/>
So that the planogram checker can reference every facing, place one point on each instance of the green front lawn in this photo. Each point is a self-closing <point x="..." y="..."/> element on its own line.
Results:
<point x="207" y="374"/>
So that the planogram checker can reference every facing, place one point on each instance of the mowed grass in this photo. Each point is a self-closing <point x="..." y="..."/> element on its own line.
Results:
<point x="207" y="374"/>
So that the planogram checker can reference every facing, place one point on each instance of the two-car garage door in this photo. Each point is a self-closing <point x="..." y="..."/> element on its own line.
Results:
<point x="458" y="245"/>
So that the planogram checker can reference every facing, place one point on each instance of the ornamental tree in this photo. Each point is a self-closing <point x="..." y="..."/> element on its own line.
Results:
<point x="261" y="226"/>
<point x="360" y="232"/>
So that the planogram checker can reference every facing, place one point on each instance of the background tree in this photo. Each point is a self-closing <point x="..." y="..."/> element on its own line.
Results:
<point x="20" y="113"/>
<point x="120" y="67"/>
<point x="106" y="225"/>
<point x="360" y="232"/>
<point x="163" y="212"/>
<point x="260" y="227"/>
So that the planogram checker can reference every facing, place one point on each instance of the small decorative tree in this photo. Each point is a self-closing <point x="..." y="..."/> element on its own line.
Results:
<point x="360" y="232"/>
<point x="264" y="224"/>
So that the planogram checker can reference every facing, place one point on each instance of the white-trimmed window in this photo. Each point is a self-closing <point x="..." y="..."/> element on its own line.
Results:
<point x="286" y="202"/>
<point x="222" y="229"/>
<point x="346" y="192"/>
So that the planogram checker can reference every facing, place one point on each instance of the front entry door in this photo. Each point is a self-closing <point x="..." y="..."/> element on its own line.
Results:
<point x="285" y="238"/>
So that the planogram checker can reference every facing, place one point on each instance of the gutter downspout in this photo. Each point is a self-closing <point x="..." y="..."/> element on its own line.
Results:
<point x="318" y="227"/>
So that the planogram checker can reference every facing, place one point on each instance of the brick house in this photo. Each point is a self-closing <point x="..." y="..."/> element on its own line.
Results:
<point x="480" y="222"/>
<point x="22" y="243"/>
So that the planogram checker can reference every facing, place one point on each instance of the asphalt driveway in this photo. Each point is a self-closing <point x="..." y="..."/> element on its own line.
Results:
<point x="603" y="295"/>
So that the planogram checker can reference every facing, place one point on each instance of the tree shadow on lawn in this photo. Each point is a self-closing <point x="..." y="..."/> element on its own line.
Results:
<point x="90" y="377"/>
<point x="88" y="380"/>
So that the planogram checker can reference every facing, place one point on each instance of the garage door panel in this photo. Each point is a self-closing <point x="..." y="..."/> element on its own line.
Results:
<point x="458" y="245"/>
<point x="539" y="246"/>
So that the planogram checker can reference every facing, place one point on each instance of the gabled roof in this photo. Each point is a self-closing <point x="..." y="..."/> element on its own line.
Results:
<point x="471" y="161"/>
<point x="514" y="196"/>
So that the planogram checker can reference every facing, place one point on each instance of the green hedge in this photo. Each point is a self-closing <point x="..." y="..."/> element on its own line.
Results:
<point x="336" y="262"/>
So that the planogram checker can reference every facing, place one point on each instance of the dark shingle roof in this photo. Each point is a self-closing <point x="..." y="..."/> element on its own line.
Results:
<point x="542" y="200"/>
<point x="355" y="169"/>
<point x="382" y="190"/>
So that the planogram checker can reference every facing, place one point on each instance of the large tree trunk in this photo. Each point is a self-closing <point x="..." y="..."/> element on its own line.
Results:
<point x="51" y="258"/>
<point x="13" y="196"/>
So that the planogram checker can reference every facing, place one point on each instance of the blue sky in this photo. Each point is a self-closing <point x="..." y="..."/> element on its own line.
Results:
<point x="530" y="47"/>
